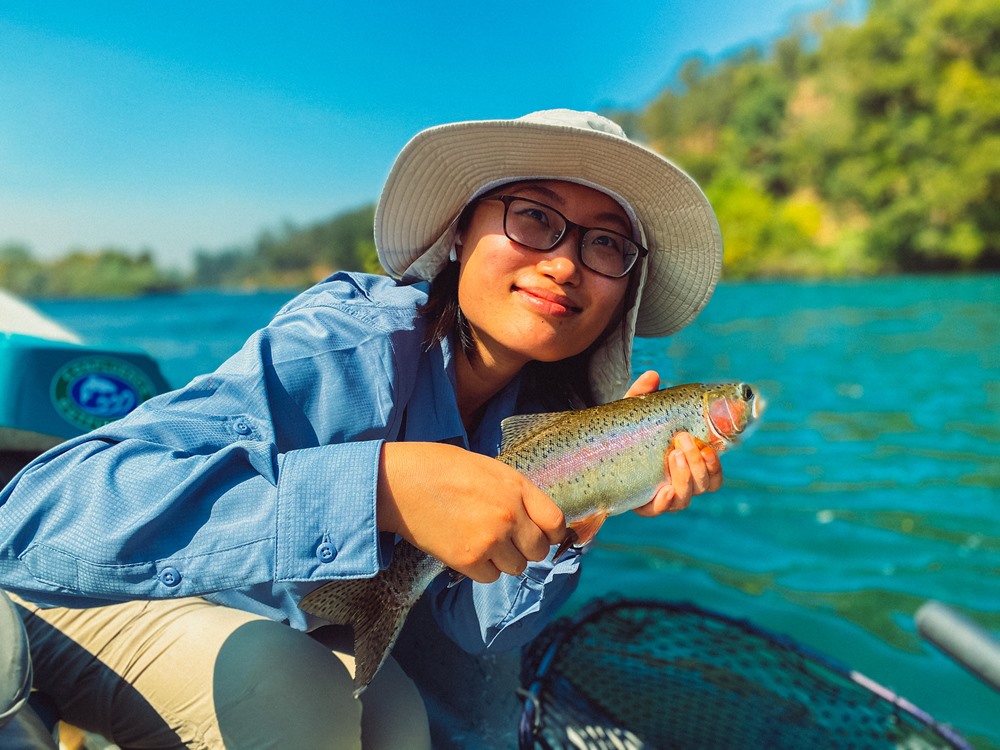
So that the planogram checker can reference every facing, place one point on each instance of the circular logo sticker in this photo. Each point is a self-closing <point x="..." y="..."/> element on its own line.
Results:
<point x="91" y="391"/>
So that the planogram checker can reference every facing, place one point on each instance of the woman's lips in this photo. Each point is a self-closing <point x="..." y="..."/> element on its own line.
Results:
<point x="548" y="302"/>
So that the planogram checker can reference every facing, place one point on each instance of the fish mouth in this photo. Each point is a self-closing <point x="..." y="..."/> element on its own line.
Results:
<point x="757" y="405"/>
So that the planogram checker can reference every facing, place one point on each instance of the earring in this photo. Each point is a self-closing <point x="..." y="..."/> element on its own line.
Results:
<point x="453" y="255"/>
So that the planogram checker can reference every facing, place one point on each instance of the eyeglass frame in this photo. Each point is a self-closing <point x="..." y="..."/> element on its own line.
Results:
<point x="570" y="226"/>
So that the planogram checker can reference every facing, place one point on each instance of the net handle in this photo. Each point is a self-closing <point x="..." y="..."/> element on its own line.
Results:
<point x="961" y="639"/>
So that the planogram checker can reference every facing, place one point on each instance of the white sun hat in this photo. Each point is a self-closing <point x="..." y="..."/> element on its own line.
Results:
<point x="442" y="169"/>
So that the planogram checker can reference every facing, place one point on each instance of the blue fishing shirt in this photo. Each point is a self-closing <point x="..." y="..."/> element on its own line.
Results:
<point x="254" y="484"/>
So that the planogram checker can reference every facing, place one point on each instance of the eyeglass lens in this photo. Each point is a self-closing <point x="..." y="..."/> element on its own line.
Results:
<point x="541" y="227"/>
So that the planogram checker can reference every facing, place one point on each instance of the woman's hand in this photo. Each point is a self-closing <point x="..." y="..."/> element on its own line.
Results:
<point x="690" y="468"/>
<point x="475" y="514"/>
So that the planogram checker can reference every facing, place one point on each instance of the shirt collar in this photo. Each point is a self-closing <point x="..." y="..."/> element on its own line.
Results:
<point x="432" y="412"/>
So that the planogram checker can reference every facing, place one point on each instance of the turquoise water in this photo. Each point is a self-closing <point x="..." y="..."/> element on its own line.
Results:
<point x="872" y="485"/>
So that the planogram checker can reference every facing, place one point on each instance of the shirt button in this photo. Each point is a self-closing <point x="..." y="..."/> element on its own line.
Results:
<point x="241" y="427"/>
<point x="170" y="577"/>
<point x="325" y="552"/>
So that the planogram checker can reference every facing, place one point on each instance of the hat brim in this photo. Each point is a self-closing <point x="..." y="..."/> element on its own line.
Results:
<point x="442" y="168"/>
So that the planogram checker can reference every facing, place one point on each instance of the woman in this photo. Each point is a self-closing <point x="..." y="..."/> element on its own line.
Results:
<point x="368" y="410"/>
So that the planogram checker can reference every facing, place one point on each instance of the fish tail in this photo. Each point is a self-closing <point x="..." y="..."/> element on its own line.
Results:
<point x="375" y="633"/>
<point x="372" y="607"/>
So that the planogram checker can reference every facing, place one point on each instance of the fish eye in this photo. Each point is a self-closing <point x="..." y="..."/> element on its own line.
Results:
<point x="746" y="391"/>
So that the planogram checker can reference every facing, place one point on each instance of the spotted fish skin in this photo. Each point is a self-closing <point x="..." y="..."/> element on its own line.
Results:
<point x="609" y="459"/>
<point x="375" y="607"/>
<point x="593" y="463"/>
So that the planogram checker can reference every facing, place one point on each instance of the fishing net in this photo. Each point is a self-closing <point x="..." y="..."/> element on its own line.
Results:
<point x="626" y="675"/>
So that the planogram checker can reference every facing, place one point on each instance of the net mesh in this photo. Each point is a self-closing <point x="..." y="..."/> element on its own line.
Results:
<point x="634" y="674"/>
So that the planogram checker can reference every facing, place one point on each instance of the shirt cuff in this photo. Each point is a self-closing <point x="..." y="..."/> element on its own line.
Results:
<point x="326" y="517"/>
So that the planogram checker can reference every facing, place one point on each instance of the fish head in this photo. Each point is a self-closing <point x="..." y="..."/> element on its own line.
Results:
<point x="731" y="411"/>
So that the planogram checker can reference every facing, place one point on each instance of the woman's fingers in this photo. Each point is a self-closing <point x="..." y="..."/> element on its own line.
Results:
<point x="433" y="495"/>
<point x="714" y="466"/>
<point x="531" y="541"/>
<point x="508" y="560"/>
<point x="664" y="501"/>
<point x="546" y="518"/>
<point x="691" y="468"/>
<point x="648" y="382"/>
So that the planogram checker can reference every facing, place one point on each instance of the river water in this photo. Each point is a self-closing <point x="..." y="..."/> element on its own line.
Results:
<point x="872" y="485"/>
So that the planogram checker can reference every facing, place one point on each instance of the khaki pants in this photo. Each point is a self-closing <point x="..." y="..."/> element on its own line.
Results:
<point x="190" y="674"/>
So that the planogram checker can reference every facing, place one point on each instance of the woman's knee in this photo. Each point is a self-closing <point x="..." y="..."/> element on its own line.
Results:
<point x="271" y="681"/>
<point x="394" y="715"/>
<point x="393" y="711"/>
<point x="276" y="687"/>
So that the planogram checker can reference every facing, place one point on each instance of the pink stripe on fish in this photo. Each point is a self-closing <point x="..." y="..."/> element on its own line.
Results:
<point x="584" y="457"/>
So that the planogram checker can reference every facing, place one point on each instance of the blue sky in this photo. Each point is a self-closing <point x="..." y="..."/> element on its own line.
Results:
<point x="181" y="125"/>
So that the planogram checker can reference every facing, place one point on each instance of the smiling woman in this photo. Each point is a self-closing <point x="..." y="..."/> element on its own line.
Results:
<point x="528" y="304"/>
<point x="366" y="412"/>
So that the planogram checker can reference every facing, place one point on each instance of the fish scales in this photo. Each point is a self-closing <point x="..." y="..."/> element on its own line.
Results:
<point x="595" y="459"/>
<point x="593" y="463"/>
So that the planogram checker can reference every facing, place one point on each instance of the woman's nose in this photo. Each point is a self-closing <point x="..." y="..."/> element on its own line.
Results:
<point x="562" y="262"/>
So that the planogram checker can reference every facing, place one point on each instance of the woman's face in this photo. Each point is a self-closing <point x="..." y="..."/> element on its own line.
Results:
<point x="525" y="304"/>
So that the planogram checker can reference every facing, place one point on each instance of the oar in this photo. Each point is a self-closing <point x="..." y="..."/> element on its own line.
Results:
<point x="961" y="639"/>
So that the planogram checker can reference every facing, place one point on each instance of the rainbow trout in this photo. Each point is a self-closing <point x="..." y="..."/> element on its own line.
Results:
<point x="593" y="463"/>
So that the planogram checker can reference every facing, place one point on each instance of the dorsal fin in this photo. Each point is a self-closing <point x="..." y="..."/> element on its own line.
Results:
<point x="520" y="427"/>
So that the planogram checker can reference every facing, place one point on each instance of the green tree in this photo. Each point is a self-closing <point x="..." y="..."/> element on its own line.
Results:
<point x="228" y="267"/>
<point x="292" y="256"/>
<point x="19" y="271"/>
<point x="106" y="272"/>
<point x="888" y="130"/>
<point x="922" y="82"/>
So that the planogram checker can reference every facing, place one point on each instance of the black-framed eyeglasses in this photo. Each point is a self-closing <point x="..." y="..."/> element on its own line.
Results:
<point x="541" y="227"/>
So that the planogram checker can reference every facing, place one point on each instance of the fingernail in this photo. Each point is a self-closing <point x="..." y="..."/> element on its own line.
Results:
<point x="685" y="441"/>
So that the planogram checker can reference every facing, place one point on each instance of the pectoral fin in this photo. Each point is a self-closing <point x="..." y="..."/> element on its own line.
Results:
<point x="582" y="531"/>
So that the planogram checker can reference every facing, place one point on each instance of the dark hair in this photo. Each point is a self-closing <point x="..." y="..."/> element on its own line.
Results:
<point x="553" y="385"/>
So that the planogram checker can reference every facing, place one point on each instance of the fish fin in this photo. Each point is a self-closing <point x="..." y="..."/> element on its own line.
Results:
<point x="583" y="531"/>
<point x="376" y="607"/>
<point x="370" y="606"/>
<point x="518" y="428"/>
<point x="570" y="541"/>
<point x="455" y="578"/>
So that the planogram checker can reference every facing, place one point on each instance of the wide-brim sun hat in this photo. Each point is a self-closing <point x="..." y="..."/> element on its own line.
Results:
<point x="442" y="169"/>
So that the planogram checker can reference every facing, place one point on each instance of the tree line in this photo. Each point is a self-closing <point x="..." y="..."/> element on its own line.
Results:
<point x="849" y="149"/>
<point x="840" y="149"/>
